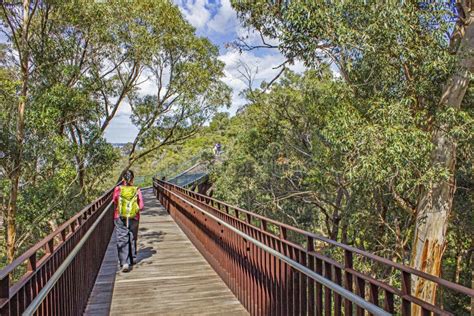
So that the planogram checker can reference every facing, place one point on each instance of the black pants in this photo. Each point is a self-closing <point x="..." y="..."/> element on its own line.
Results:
<point x="126" y="240"/>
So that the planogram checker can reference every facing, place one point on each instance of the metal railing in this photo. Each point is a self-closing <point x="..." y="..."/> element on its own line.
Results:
<point x="277" y="269"/>
<point x="196" y="174"/>
<point x="75" y="250"/>
<point x="175" y="170"/>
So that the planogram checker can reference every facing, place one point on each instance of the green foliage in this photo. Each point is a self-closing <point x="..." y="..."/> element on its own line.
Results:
<point x="176" y="158"/>
<point x="355" y="151"/>
<point x="85" y="59"/>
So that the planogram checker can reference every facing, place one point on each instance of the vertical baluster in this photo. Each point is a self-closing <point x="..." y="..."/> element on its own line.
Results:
<point x="245" y="271"/>
<point x="360" y="290"/>
<point x="236" y="261"/>
<point x="252" y="267"/>
<point x="243" y="268"/>
<point x="263" y="274"/>
<point x="279" y="284"/>
<point x="28" y="292"/>
<point x="348" y="262"/>
<point x="266" y="273"/>
<point x="232" y="264"/>
<point x="31" y="268"/>
<point x="319" y="288"/>
<point x="252" y="272"/>
<point x="406" y="290"/>
<point x="303" y="284"/>
<point x="389" y="302"/>
<point x="257" y="273"/>
<point x="327" y="291"/>
<point x="5" y="292"/>
<point x="296" y="282"/>
<point x="285" y="292"/>
<point x="337" y="297"/>
<point x="310" y="248"/>
<point x="21" y="300"/>
<point x="14" y="305"/>
<point x="374" y="294"/>
<point x="273" y="286"/>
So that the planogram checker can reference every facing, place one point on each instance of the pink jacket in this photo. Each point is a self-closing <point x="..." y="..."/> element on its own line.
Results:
<point x="116" y="198"/>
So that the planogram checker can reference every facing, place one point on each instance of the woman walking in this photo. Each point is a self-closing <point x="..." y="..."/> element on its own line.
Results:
<point x="128" y="203"/>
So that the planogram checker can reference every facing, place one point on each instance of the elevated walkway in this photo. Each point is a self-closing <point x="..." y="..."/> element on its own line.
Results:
<point x="197" y="174"/>
<point x="202" y="256"/>
<point x="170" y="278"/>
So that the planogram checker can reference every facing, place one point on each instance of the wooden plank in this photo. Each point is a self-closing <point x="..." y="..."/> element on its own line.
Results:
<point x="171" y="276"/>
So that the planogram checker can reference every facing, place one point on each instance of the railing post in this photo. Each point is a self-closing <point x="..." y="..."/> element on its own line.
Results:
<point x="319" y="288"/>
<point x="310" y="248"/>
<point x="360" y="290"/>
<point x="50" y="246"/>
<point x="348" y="263"/>
<point x="406" y="290"/>
<point x="287" y="277"/>
<point x="389" y="302"/>
<point x="263" y="225"/>
<point x="32" y="263"/>
<point x="63" y="235"/>
<point x="5" y="288"/>
<point x="327" y="291"/>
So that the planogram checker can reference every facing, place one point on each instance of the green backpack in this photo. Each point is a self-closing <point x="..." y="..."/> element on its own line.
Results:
<point x="128" y="201"/>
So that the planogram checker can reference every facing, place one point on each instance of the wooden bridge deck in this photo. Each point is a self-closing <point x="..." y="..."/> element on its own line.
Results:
<point x="170" y="278"/>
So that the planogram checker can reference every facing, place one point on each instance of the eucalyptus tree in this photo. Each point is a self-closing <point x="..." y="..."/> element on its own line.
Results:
<point x="408" y="62"/>
<point x="186" y="77"/>
<point x="68" y="66"/>
<point x="19" y="37"/>
<point x="47" y="52"/>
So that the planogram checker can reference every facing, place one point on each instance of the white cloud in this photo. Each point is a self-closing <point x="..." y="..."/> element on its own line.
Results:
<point x="263" y="68"/>
<point x="210" y="17"/>
<point x="149" y="83"/>
<point x="214" y="20"/>
<point x="225" y="20"/>
<point x="121" y="129"/>
<point x="253" y="37"/>
<point x="195" y="11"/>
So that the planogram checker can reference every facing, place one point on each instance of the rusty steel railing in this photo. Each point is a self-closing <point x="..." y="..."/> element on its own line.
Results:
<point x="68" y="294"/>
<point x="268" y="282"/>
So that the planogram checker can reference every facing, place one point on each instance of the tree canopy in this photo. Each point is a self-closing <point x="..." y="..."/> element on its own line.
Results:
<point x="66" y="70"/>
<point x="370" y="146"/>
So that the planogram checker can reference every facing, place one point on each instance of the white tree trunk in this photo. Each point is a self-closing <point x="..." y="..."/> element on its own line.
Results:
<point x="435" y="203"/>
<point x="23" y="49"/>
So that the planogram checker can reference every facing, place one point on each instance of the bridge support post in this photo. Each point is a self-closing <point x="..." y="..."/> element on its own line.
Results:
<point x="4" y="294"/>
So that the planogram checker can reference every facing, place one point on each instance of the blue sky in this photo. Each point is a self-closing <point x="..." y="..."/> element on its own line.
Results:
<point x="216" y="20"/>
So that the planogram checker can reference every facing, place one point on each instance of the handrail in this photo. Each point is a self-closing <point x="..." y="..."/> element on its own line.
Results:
<point x="35" y="304"/>
<point x="445" y="283"/>
<point x="281" y="237"/>
<point x="372" y="308"/>
<point x="40" y="263"/>
<point x="193" y="160"/>
<point x="42" y="243"/>
<point x="185" y="171"/>
<point x="194" y="181"/>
